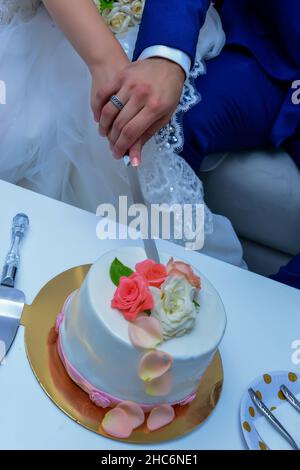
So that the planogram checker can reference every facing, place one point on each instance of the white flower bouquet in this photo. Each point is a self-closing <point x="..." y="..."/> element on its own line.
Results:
<point x="120" y="15"/>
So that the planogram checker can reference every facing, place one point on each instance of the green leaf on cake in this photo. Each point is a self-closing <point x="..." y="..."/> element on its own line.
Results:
<point x="196" y="303"/>
<point x="117" y="270"/>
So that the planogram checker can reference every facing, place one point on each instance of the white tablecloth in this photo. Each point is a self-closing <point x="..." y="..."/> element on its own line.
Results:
<point x="263" y="321"/>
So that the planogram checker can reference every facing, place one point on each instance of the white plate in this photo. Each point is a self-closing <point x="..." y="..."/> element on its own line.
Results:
<point x="268" y="386"/>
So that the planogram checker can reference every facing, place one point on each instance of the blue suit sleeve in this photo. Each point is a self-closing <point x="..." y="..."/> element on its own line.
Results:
<point x="172" y="23"/>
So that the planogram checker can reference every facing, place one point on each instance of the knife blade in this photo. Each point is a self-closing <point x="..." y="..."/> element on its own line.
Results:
<point x="290" y="397"/>
<point x="271" y="418"/>
<point x="11" y="300"/>
<point x="138" y="198"/>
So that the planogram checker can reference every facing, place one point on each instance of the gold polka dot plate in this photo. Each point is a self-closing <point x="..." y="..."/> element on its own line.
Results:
<point x="267" y="388"/>
<point x="41" y="338"/>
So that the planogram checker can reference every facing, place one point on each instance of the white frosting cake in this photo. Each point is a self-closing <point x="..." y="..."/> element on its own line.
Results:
<point x="94" y="338"/>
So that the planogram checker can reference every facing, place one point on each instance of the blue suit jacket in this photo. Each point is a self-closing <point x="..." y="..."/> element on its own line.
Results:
<point x="270" y="29"/>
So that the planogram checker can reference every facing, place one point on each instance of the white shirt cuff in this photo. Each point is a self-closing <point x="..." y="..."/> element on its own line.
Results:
<point x="175" y="55"/>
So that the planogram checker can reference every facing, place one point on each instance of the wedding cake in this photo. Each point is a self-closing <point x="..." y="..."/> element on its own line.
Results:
<point x="138" y="336"/>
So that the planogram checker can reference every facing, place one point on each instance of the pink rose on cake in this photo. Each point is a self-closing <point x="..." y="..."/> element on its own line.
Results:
<point x="100" y="399"/>
<point x="132" y="296"/>
<point x="179" y="268"/>
<point x="154" y="273"/>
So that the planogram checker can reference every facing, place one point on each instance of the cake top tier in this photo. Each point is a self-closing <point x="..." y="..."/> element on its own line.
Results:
<point x="197" y="333"/>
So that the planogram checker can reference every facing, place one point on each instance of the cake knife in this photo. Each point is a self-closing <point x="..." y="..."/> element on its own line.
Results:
<point x="11" y="300"/>
<point x="138" y="198"/>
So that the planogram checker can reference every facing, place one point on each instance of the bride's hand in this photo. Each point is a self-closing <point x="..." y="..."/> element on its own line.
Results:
<point x="106" y="81"/>
<point x="150" y="91"/>
<point x="95" y="43"/>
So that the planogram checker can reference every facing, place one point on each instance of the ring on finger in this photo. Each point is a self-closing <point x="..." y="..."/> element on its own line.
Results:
<point x="117" y="102"/>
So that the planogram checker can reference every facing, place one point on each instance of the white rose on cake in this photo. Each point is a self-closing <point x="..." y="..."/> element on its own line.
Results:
<point x="174" y="306"/>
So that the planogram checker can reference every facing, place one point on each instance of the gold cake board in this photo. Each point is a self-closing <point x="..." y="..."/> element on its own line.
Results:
<point x="40" y="339"/>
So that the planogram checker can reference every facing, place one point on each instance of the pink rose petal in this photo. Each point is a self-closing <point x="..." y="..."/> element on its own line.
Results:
<point x="134" y="412"/>
<point x="117" y="423"/>
<point x="159" y="387"/>
<point x="154" y="364"/>
<point x="160" y="417"/>
<point x="145" y="332"/>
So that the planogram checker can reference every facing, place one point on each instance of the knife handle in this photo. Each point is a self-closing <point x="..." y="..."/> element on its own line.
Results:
<point x="12" y="261"/>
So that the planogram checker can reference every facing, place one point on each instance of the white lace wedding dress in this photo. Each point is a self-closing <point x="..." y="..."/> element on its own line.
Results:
<point x="49" y="142"/>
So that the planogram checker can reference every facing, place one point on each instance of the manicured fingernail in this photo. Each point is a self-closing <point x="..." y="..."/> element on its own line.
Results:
<point x="135" y="162"/>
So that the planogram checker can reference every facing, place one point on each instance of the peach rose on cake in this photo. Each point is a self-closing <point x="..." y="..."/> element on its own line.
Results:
<point x="132" y="296"/>
<point x="154" y="273"/>
<point x="179" y="268"/>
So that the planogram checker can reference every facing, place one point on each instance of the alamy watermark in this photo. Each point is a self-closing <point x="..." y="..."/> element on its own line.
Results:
<point x="177" y="222"/>
<point x="2" y="92"/>
<point x="295" y="358"/>
<point x="296" y="93"/>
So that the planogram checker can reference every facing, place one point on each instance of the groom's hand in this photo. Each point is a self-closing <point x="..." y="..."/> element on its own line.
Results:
<point x="150" y="91"/>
